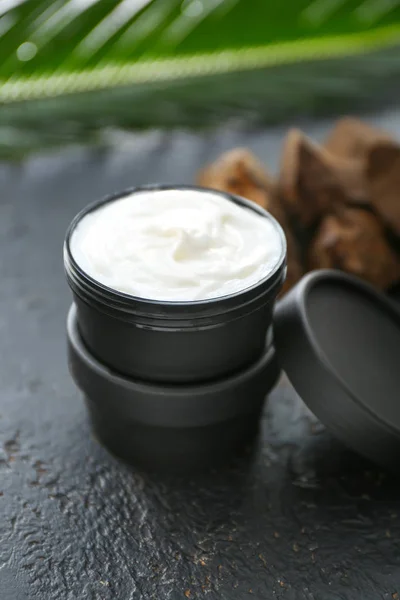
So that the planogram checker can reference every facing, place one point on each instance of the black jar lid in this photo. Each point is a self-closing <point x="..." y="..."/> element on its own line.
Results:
<point x="339" y="342"/>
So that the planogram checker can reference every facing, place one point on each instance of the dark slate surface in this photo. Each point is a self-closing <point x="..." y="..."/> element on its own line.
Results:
<point x="301" y="519"/>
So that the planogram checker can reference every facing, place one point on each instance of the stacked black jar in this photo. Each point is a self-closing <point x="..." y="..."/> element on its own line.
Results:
<point x="172" y="384"/>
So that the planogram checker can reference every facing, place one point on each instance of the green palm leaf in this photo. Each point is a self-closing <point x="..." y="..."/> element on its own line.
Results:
<point x="70" y="66"/>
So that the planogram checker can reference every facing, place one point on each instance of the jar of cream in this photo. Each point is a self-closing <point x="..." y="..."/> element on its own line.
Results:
<point x="174" y="284"/>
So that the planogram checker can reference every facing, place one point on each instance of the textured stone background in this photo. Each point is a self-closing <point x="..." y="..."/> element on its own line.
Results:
<point x="301" y="519"/>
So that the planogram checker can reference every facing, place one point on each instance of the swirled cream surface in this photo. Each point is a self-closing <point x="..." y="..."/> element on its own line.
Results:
<point x="176" y="245"/>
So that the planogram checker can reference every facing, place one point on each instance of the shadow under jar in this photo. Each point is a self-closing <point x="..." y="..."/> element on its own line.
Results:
<point x="183" y="341"/>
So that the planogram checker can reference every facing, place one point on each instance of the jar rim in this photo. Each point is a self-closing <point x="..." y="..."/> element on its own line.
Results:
<point x="82" y="281"/>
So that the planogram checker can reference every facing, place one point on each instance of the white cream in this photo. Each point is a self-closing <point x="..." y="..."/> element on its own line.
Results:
<point x="176" y="245"/>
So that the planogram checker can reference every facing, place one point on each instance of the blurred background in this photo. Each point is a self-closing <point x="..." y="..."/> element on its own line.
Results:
<point x="74" y="70"/>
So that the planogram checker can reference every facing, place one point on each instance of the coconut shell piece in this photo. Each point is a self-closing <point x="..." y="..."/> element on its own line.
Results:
<point x="352" y="138"/>
<point x="383" y="182"/>
<point x="353" y="240"/>
<point x="312" y="180"/>
<point x="240" y="172"/>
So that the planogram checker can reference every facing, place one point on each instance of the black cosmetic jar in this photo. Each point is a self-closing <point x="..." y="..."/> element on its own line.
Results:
<point x="179" y="342"/>
<point x="171" y="427"/>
